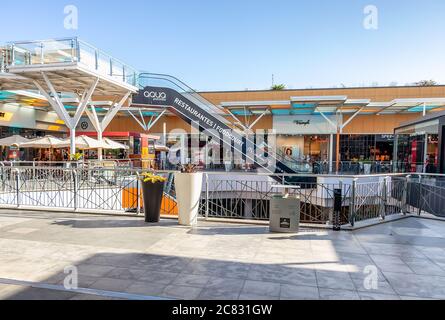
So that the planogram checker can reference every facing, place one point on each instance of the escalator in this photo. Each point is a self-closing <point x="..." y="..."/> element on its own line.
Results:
<point x="166" y="91"/>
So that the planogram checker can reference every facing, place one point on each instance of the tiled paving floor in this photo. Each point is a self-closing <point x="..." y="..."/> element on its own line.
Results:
<point x="119" y="257"/>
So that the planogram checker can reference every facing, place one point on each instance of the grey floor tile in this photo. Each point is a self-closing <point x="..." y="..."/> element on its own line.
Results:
<point x="414" y="285"/>
<point x="191" y="280"/>
<point x="146" y="288"/>
<point x="336" y="294"/>
<point x="368" y="286"/>
<point x="110" y="284"/>
<point x="93" y="270"/>
<point x="377" y="296"/>
<point x="271" y="289"/>
<point x="126" y="273"/>
<point x="182" y="292"/>
<point x="334" y="280"/>
<point x="159" y="277"/>
<point x="28" y="293"/>
<point x="424" y="266"/>
<point x="291" y="292"/>
<point x="253" y="296"/>
<point x="82" y="296"/>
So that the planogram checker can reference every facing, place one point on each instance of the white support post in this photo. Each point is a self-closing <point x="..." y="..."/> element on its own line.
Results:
<point x="86" y="97"/>
<point x="113" y="111"/>
<point x="329" y="120"/>
<point x="257" y="120"/>
<point x="73" y="140"/>
<point x="351" y="118"/>
<point x="331" y="152"/>
<point x="99" y="150"/>
<point x="156" y="120"/>
<point x="92" y="115"/>
<point x="143" y="120"/>
<point x="55" y="103"/>
<point x="96" y="124"/>
<point x="237" y="121"/>
<point x="143" y="125"/>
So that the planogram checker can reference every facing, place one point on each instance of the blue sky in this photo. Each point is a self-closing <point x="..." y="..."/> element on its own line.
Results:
<point x="239" y="44"/>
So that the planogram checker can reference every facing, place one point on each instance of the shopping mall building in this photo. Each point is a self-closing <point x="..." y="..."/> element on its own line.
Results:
<point x="309" y="123"/>
<point x="67" y="87"/>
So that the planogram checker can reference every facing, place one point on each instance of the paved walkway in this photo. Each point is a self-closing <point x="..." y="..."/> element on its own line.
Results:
<point x="124" y="258"/>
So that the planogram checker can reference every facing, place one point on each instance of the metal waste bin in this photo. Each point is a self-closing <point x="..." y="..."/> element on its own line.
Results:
<point x="285" y="214"/>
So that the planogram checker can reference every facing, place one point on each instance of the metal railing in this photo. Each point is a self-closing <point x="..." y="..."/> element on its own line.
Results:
<point x="113" y="190"/>
<point x="69" y="50"/>
<point x="224" y="195"/>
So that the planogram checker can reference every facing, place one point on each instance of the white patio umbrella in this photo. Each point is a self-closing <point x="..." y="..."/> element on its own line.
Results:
<point x="111" y="144"/>
<point x="47" y="142"/>
<point x="13" y="141"/>
<point x="83" y="143"/>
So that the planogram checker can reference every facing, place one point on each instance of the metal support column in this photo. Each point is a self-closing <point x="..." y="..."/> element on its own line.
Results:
<point x="384" y="198"/>
<point x="405" y="195"/>
<point x="207" y="196"/>
<point x="352" y="202"/>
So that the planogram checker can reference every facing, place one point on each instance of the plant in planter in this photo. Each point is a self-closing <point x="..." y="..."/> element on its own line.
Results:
<point x="188" y="186"/>
<point x="152" y="192"/>
<point x="367" y="164"/>
<point x="75" y="158"/>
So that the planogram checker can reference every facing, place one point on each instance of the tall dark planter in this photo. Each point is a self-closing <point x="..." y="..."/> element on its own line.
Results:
<point x="152" y="195"/>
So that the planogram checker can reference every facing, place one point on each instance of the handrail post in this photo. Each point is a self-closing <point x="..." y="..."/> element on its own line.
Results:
<point x="420" y="195"/>
<point x="42" y="57"/>
<point x="207" y="196"/>
<point x="73" y="51"/>
<point x="12" y="55"/>
<point x="384" y="198"/>
<point x="352" y="202"/>
<point x="405" y="195"/>
<point x="17" y="186"/>
<point x="96" y="59"/>
<point x="75" y="188"/>
<point x="138" y="202"/>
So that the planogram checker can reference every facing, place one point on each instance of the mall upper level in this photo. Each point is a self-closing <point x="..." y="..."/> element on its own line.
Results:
<point x="70" y="65"/>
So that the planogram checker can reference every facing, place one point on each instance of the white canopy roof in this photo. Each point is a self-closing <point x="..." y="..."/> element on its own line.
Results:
<point x="84" y="142"/>
<point x="13" y="140"/>
<point x="111" y="144"/>
<point x="45" y="142"/>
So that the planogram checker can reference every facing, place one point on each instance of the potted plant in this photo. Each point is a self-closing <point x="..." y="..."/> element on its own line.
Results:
<point x="75" y="158"/>
<point x="188" y="186"/>
<point x="152" y="193"/>
<point x="367" y="164"/>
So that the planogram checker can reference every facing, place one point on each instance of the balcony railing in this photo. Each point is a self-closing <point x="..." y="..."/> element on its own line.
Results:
<point x="224" y="195"/>
<point x="70" y="50"/>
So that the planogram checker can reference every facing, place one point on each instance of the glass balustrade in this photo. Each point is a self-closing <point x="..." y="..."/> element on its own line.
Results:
<point x="71" y="50"/>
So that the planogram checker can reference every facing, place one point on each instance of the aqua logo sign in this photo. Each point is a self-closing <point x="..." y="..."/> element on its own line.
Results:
<point x="156" y="96"/>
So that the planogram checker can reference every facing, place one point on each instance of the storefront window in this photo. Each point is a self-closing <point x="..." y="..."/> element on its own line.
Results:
<point x="303" y="153"/>
<point x="417" y="147"/>
<point x="367" y="147"/>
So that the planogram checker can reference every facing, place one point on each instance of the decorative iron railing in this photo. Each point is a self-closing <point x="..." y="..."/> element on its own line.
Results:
<point x="224" y="195"/>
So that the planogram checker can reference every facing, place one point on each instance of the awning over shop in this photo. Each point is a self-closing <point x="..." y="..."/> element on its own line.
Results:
<point x="15" y="140"/>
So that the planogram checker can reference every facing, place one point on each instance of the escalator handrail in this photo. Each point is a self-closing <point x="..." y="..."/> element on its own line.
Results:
<point x="189" y="89"/>
<point x="221" y="118"/>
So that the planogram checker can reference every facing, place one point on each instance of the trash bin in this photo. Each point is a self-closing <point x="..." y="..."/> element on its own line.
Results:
<point x="285" y="214"/>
